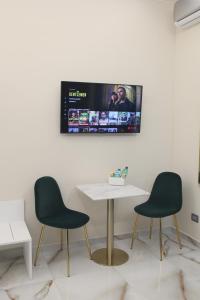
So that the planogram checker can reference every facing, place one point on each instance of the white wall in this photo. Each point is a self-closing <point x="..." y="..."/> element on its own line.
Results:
<point x="187" y="124"/>
<point x="44" y="42"/>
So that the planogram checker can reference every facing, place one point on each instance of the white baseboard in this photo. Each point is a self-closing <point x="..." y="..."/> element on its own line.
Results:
<point x="121" y="236"/>
<point x="186" y="235"/>
<point x="118" y="236"/>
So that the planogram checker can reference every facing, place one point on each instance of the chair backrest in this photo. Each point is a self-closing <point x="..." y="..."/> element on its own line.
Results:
<point x="167" y="190"/>
<point x="48" y="198"/>
<point x="11" y="210"/>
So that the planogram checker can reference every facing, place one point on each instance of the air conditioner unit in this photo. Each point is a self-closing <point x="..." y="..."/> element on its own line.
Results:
<point x="186" y="13"/>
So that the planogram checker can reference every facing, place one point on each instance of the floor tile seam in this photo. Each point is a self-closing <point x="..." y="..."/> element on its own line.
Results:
<point x="43" y="283"/>
<point x="25" y="284"/>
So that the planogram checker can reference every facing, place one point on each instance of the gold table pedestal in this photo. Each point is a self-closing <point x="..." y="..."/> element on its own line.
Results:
<point x="119" y="257"/>
<point x="110" y="256"/>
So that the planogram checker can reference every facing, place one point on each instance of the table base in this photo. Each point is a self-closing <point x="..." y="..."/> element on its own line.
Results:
<point x="119" y="257"/>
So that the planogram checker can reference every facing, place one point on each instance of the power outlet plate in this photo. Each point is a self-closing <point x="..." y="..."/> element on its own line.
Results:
<point x="195" y="218"/>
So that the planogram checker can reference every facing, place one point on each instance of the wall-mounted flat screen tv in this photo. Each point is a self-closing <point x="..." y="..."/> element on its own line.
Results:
<point x="100" y="108"/>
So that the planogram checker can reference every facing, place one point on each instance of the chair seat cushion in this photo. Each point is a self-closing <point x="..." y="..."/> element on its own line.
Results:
<point x="67" y="219"/>
<point x="152" y="210"/>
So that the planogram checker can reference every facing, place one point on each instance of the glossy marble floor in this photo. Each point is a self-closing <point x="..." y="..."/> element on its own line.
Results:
<point x="143" y="277"/>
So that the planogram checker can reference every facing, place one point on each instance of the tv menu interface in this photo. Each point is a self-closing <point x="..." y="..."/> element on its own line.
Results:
<point x="100" y="108"/>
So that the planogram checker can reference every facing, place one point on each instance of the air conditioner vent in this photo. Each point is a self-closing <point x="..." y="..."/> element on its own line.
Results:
<point x="186" y="12"/>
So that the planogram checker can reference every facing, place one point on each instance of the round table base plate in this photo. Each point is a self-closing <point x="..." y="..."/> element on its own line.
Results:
<point x="119" y="257"/>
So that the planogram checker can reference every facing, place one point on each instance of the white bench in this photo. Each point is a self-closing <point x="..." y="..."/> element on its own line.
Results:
<point x="13" y="229"/>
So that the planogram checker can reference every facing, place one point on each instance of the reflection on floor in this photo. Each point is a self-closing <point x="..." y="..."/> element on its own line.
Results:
<point x="143" y="277"/>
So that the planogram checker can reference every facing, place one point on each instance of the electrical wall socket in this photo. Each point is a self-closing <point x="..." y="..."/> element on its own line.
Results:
<point x="195" y="218"/>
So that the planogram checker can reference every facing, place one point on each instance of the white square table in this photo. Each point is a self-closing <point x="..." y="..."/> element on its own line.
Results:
<point x="110" y="256"/>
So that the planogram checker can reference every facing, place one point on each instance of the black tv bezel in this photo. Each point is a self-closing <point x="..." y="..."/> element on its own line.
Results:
<point x="62" y="131"/>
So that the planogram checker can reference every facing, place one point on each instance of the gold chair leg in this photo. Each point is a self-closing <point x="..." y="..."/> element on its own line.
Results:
<point x="87" y="241"/>
<point x="61" y="239"/>
<point x="38" y="246"/>
<point x="177" y="231"/>
<point x="134" y="230"/>
<point x="161" y="246"/>
<point x="150" y="229"/>
<point x="68" y="258"/>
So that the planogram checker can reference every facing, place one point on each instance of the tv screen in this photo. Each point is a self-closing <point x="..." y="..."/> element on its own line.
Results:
<point x="100" y="108"/>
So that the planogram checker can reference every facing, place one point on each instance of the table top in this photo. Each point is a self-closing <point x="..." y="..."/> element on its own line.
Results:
<point x="105" y="191"/>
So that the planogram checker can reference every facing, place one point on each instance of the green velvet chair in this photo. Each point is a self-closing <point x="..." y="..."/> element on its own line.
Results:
<point x="165" y="200"/>
<point x="51" y="211"/>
